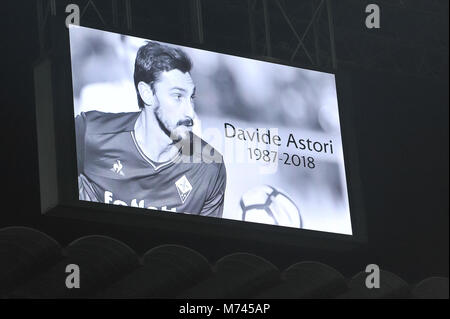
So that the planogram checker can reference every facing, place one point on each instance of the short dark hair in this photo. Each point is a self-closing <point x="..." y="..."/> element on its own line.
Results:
<point x="154" y="58"/>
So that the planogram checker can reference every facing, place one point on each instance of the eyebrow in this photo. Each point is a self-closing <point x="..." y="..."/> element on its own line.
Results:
<point x="183" y="90"/>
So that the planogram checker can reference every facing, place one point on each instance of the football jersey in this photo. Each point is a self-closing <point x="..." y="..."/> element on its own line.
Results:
<point x="113" y="169"/>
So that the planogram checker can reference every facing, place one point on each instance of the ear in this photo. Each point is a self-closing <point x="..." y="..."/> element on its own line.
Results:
<point x="146" y="93"/>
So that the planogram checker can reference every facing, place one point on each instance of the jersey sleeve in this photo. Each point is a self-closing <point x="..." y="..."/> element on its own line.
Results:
<point x="85" y="189"/>
<point x="80" y="133"/>
<point x="213" y="206"/>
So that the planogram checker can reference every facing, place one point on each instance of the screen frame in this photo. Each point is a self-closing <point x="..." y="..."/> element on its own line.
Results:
<point x="63" y="192"/>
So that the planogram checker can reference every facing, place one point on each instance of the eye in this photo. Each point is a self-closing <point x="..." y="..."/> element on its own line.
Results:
<point x="177" y="96"/>
<point x="193" y="97"/>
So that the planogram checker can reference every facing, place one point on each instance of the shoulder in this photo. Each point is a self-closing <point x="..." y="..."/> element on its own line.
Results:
<point x="95" y="122"/>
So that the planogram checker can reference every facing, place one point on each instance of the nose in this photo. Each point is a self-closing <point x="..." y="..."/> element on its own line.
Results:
<point x="189" y="110"/>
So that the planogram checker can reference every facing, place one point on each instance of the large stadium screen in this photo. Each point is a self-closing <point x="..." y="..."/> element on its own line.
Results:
<point x="183" y="130"/>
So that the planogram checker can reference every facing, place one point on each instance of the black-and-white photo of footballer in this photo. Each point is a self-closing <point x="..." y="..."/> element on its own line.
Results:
<point x="171" y="128"/>
<point x="135" y="158"/>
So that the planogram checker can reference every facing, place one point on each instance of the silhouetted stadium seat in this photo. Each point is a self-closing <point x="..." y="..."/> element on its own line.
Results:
<point x="167" y="270"/>
<point x="102" y="260"/>
<point x="33" y="265"/>
<point x="431" y="288"/>
<point x="24" y="252"/>
<point x="238" y="275"/>
<point x="391" y="286"/>
<point x="307" y="280"/>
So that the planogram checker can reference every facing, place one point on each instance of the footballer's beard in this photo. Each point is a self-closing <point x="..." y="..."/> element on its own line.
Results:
<point x="181" y="132"/>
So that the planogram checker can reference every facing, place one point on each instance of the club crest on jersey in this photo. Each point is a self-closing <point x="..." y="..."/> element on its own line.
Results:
<point x="117" y="168"/>
<point x="184" y="188"/>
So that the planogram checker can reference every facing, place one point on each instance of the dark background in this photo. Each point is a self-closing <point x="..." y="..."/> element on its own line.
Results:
<point x="401" y="127"/>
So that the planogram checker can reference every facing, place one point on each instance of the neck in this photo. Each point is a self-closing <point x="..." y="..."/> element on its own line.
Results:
<point x="151" y="139"/>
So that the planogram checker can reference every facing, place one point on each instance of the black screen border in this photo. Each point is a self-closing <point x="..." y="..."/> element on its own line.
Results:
<point x="67" y="205"/>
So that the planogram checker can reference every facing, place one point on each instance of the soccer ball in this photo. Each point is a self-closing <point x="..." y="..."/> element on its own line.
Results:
<point x="266" y="204"/>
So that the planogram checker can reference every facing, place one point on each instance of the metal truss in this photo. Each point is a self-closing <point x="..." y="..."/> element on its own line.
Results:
<point x="301" y="32"/>
<point x="112" y="13"/>
<point x="324" y="34"/>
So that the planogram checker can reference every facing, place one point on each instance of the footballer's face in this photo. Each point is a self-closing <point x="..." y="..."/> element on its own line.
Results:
<point x="174" y="94"/>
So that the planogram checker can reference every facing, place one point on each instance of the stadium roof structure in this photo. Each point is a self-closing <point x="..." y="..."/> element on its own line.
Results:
<point x="325" y="34"/>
